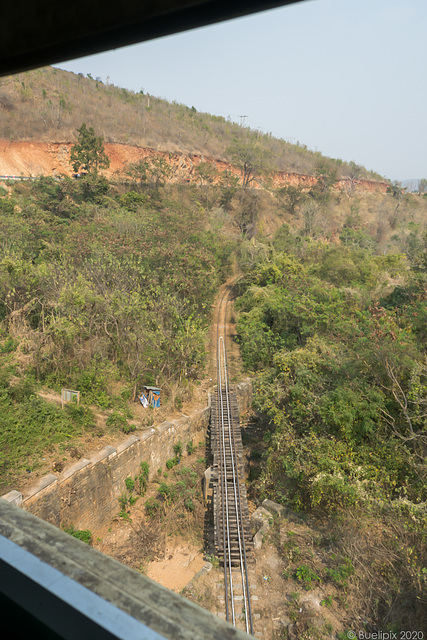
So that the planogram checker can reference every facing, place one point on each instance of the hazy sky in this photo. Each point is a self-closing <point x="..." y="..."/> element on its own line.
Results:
<point x="345" y="77"/>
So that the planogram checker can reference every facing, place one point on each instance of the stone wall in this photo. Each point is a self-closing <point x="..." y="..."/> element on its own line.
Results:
<point x="244" y="394"/>
<point x="85" y="494"/>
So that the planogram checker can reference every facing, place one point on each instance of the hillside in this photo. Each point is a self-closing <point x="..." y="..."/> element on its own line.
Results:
<point x="107" y="283"/>
<point x="47" y="105"/>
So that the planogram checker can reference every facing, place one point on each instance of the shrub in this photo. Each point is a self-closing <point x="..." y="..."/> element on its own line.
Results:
<point x="143" y="477"/>
<point x="130" y="484"/>
<point x="128" y="428"/>
<point x="9" y="345"/>
<point x="339" y="576"/>
<point x="190" y="447"/>
<point x="22" y="390"/>
<point x="85" y="535"/>
<point x="307" y="576"/>
<point x="189" y="504"/>
<point x="123" y="500"/>
<point x="81" y="414"/>
<point x="168" y="492"/>
<point x="152" y="506"/>
<point x="177" y="449"/>
<point x="171" y="462"/>
<point x="118" y="421"/>
<point x="326" y="602"/>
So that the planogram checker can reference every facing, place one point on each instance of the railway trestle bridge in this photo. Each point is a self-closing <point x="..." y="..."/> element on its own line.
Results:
<point x="232" y="535"/>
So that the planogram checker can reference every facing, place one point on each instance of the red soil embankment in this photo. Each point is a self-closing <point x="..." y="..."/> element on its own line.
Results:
<point x="52" y="158"/>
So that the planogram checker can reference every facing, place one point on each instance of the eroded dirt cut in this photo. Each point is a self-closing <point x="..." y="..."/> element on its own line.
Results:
<point x="52" y="158"/>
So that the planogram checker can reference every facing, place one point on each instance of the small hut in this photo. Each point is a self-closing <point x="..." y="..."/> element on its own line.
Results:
<point x="153" y="396"/>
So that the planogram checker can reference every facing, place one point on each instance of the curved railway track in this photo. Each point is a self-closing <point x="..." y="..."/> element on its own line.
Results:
<point x="232" y="534"/>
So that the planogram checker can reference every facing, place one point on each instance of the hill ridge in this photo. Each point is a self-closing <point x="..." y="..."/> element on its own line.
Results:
<point x="50" y="104"/>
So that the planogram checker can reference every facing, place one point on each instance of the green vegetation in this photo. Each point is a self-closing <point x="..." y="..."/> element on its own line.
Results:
<point x="29" y="426"/>
<point x="88" y="154"/>
<point x="138" y="484"/>
<point x="142" y="478"/>
<point x="334" y="332"/>
<point x="184" y="490"/>
<point x="343" y="378"/>
<point x="130" y="484"/>
<point x="339" y="575"/>
<point x="307" y="577"/>
<point x="152" y="507"/>
<point x="190" y="447"/>
<point x="177" y="449"/>
<point x="102" y="289"/>
<point x="81" y="534"/>
<point x="106" y="286"/>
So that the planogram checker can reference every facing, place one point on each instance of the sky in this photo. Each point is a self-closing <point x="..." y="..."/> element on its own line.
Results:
<point x="344" y="77"/>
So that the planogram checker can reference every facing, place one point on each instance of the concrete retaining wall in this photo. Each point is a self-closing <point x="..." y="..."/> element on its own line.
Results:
<point x="85" y="494"/>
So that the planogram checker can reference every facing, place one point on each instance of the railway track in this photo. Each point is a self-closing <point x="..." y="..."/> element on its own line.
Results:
<point x="233" y="540"/>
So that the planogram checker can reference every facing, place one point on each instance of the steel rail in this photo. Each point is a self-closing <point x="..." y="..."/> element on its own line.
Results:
<point x="222" y="475"/>
<point x="239" y="514"/>
<point x="222" y="371"/>
<point x="239" y="520"/>
<point x="225" y="494"/>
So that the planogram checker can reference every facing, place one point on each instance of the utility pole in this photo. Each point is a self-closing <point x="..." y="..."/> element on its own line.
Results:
<point x="242" y="120"/>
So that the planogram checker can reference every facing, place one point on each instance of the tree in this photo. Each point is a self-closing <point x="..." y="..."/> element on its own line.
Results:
<point x="138" y="172"/>
<point x="354" y="173"/>
<point x="88" y="153"/>
<point x="159" y="170"/>
<point x="294" y="198"/>
<point x="422" y="186"/>
<point x="396" y="190"/>
<point x="326" y="175"/>
<point x="247" y="213"/>
<point x="250" y="157"/>
<point x="206" y="175"/>
<point x="398" y="193"/>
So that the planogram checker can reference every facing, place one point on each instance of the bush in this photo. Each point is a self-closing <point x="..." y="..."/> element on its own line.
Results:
<point x="339" y="576"/>
<point x="168" y="492"/>
<point x="307" y="576"/>
<point x="190" y="447"/>
<point x="123" y="500"/>
<point x="128" y="428"/>
<point x="189" y="504"/>
<point x="85" y="535"/>
<point x="9" y="345"/>
<point x="130" y="484"/>
<point x="152" y="506"/>
<point x="81" y="414"/>
<point x="118" y="421"/>
<point x="93" y="382"/>
<point x="177" y="449"/>
<point x="143" y="478"/>
<point x="171" y="462"/>
<point x="22" y="390"/>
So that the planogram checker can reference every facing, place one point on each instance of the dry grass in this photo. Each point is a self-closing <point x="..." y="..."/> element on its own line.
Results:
<point x="49" y="104"/>
<point x="369" y="567"/>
